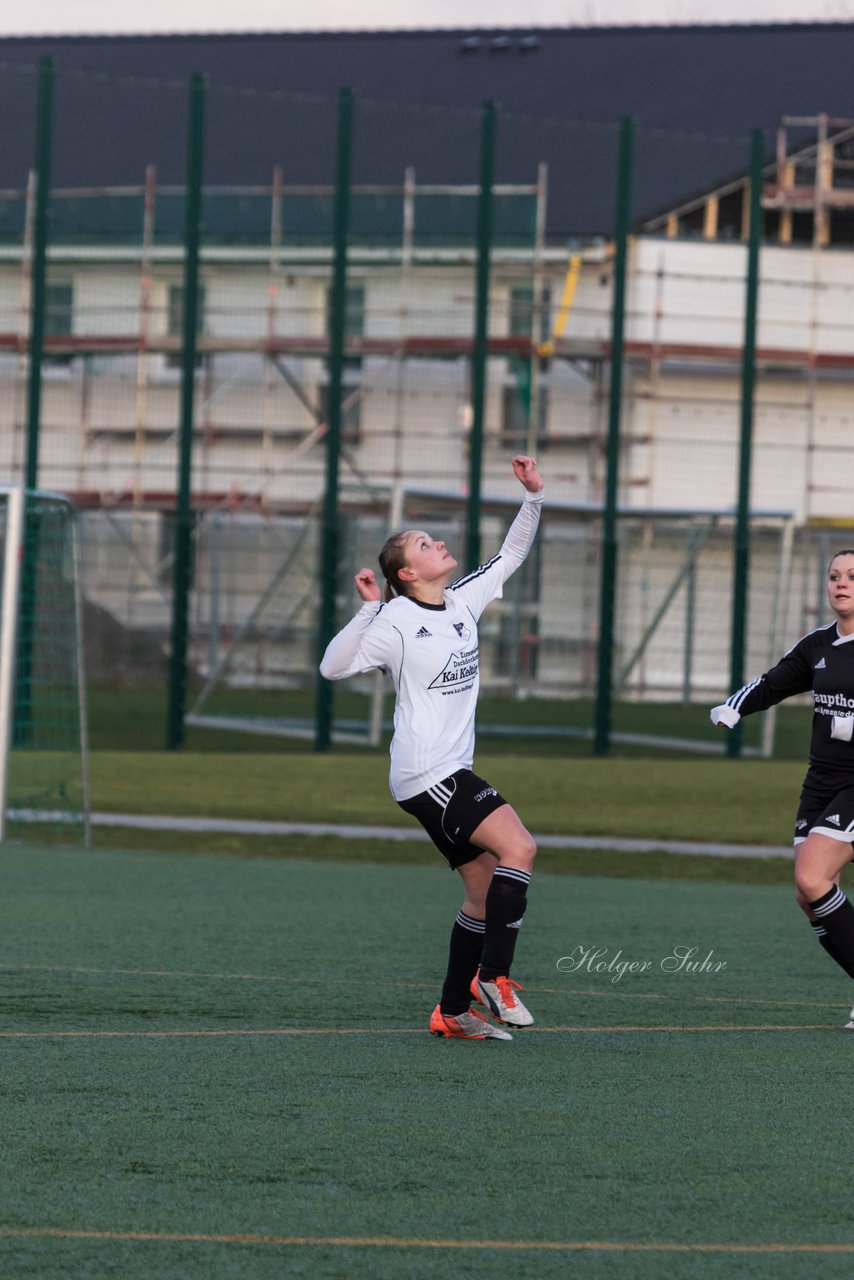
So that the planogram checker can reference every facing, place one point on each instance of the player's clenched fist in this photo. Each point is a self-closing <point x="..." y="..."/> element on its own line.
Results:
<point x="367" y="585"/>
<point x="525" y="470"/>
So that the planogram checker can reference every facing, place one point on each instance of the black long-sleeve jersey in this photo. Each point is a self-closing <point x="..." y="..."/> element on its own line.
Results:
<point x="822" y="661"/>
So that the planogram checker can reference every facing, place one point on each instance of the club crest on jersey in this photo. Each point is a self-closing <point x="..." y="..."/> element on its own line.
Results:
<point x="462" y="631"/>
<point x="460" y="669"/>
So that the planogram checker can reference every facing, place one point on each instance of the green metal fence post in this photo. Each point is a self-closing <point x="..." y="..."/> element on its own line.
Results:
<point x="44" y="140"/>
<point x="481" y="331"/>
<point x="44" y="143"/>
<point x="741" y="559"/>
<point x="608" y="577"/>
<point x="337" y="321"/>
<point x="183" y="544"/>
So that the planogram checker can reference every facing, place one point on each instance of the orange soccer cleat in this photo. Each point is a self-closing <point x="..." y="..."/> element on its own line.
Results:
<point x="465" y="1026"/>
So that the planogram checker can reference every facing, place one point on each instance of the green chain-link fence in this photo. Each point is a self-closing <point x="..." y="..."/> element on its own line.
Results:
<point x="449" y="321"/>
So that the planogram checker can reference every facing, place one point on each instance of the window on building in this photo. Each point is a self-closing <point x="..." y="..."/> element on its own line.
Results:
<point x="354" y="318"/>
<point x="59" y="310"/>
<point x="521" y="319"/>
<point x="843" y="164"/>
<point x="802" y="226"/>
<point x="514" y="418"/>
<point x="354" y="327"/>
<point x="515" y="414"/>
<point x="58" y="320"/>
<point x="771" y="224"/>
<point x="805" y="172"/>
<point x="530" y="319"/>
<point x="692" y="224"/>
<point x="731" y="215"/>
<point x="351" y="417"/>
<point x="842" y="226"/>
<point x="175" y="321"/>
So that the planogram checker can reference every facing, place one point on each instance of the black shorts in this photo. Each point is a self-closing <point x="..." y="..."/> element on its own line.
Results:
<point x="827" y="806"/>
<point x="451" y="810"/>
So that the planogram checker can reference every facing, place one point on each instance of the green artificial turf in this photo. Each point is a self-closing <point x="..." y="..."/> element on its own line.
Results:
<point x="655" y="1109"/>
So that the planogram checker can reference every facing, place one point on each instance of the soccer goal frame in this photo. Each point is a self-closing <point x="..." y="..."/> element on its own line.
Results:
<point x="44" y="766"/>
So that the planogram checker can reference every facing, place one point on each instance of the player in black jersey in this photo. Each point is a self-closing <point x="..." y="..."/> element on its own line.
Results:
<point x="823" y="662"/>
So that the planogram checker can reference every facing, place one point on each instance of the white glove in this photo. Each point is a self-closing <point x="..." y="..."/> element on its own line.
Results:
<point x="842" y="728"/>
<point x="724" y="715"/>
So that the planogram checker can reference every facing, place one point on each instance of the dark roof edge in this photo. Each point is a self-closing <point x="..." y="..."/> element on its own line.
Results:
<point x="734" y="28"/>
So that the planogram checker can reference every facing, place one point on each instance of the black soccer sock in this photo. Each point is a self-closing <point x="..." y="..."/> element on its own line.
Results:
<point x="505" y="907"/>
<point x="463" y="959"/>
<point x="821" y="933"/>
<point x="835" y="913"/>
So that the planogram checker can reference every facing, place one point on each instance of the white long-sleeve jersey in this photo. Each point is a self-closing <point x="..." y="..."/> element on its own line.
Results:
<point x="430" y="651"/>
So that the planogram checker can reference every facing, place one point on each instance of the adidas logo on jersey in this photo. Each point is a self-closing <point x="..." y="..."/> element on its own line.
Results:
<point x="834" y="818"/>
<point x="820" y="665"/>
<point x="420" y="635"/>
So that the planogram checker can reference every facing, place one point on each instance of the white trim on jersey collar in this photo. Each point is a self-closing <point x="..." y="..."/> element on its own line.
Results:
<point x="842" y="639"/>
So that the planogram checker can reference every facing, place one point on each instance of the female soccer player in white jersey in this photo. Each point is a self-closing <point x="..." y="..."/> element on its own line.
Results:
<point x="425" y="637"/>
<point x="822" y="661"/>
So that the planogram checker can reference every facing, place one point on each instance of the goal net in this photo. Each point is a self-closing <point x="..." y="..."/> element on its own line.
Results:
<point x="43" y="756"/>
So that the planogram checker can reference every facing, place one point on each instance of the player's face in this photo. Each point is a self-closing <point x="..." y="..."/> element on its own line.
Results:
<point x="429" y="560"/>
<point x="840" y="586"/>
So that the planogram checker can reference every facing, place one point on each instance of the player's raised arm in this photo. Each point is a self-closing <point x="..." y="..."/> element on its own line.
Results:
<point x="485" y="583"/>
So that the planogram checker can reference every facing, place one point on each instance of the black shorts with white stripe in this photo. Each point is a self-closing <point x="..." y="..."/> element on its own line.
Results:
<point x="451" y="810"/>
<point x="826" y="807"/>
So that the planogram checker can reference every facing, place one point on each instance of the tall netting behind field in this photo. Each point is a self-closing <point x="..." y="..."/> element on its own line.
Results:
<point x="674" y="624"/>
<point x="108" y="420"/>
<point x="406" y="412"/>
<point x="255" y="622"/>
<point x="42" y="671"/>
<point x="418" y="442"/>
<point x="256" y="601"/>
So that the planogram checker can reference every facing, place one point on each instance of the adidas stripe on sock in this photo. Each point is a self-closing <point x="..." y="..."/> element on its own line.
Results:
<point x="469" y="922"/>
<point x="511" y="873"/>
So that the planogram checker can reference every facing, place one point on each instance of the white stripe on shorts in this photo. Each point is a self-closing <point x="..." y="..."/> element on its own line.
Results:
<point x="440" y="794"/>
<point x="844" y="837"/>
